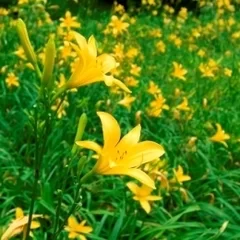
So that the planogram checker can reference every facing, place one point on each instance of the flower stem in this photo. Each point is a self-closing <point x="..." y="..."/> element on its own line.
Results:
<point x="36" y="172"/>
<point x="75" y="203"/>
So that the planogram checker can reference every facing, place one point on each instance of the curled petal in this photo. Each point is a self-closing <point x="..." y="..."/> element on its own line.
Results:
<point x="132" y="172"/>
<point x="89" y="145"/>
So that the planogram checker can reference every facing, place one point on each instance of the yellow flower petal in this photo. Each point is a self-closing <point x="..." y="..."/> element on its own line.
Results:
<point x="153" y="198"/>
<point x="143" y="152"/>
<point x="35" y="224"/>
<point x="81" y="41"/>
<point x="132" y="172"/>
<point x="111" y="130"/>
<point x="19" y="213"/>
<point x="130" y="139"/>
<point x="90" y="145"/>
<point x="92" y="46"/>
<point x="107" y="62"/>
<point x="146" y="206"/>
<point x="133" y="187"/>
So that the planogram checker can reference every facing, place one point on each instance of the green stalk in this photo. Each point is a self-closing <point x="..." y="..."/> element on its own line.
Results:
<point x="36" y="174"/>
<point x="73" y="207"/>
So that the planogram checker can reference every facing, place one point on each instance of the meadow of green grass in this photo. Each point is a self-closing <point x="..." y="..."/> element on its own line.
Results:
<point x="183" y="71"/>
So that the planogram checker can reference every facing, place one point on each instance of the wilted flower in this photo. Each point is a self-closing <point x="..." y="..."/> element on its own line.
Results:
<point x="19" y="225"/>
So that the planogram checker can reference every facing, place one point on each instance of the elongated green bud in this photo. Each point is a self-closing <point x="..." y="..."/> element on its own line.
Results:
<point x="26" y="44"/>
<point x="49" y="63"/>
<point x="81" y="127"/>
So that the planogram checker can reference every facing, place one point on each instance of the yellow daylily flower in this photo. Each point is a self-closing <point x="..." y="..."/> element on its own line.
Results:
<point x="179" y="71"/>
<point x="184" y="105"/>
<point x="220" y="135"/>
<point x="90" y="67"/>
<point x="123" y="157"/>
<point x="143" y="195"/>
<point x="127" y="101"/>
<point x="69" y="22"/>
<point x="76" y="229"/>
<point x="19" y="225"/>
<point x="179" y="176"/>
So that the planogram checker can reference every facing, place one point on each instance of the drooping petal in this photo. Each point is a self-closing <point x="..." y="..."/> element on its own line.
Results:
<point x="110" y="81"/>
<point x="111" y="130"/>
<point x="146" y="206"/>
<point x="143" y="152"/>
<point x="130" y="139"/>
<point x="132" y="172"/>
<point x="133" y="187"/>
<point x="90" y="145"/>
<point x="16" y="226"/>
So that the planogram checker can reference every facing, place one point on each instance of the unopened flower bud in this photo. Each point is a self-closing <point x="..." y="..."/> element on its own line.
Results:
<point x="26" y="44"/>
<point x="80" y="130"/>
<point x="49" y="63"/>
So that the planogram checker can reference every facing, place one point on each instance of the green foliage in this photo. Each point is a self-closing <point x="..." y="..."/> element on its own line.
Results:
<point x="206" y="207"/>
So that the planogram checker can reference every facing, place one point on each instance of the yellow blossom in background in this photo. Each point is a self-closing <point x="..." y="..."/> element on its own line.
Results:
<point x="3" y="12"/>
<point x="143" y="195"/>
<point x="91" y="68"/>
<point x="156" y="33"/>
<point x="132" y="53"/>
<point x="20" y="53"/>
<point x="131" y="82"/>
<point x="157" y="106"/>
<point x="118" y="25"/>
<point x="183" y="106"/>
<point x="60" y="107"/>
<point x="135" y="70"/>
<point x="118" y="8"/>
<point x="77" y="230"/>
<point x="12" y="80"/>
<point x="179" y="176"/>
<point x="127" y="101"/>
<point x="206" y="70"/>
<point x="227" y="72"/>
<point x="179" y="71"/>
<point x="153" y="88"/>
<point x="69" y="22"/>
<point x="182" y="14"/>
<point x="123" y="156"/>
<point x="220" y="136"/>
<point x="20" y="2"/>
<point x="19" y="225"/>
<point x="118" y="51"/>
<point x="66" y="51"/>
<point x="201" y="53"/>
<point x="161" y="47"/>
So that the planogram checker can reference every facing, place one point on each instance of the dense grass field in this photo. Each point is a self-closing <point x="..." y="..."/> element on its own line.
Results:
<point x="166" y="81"/>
